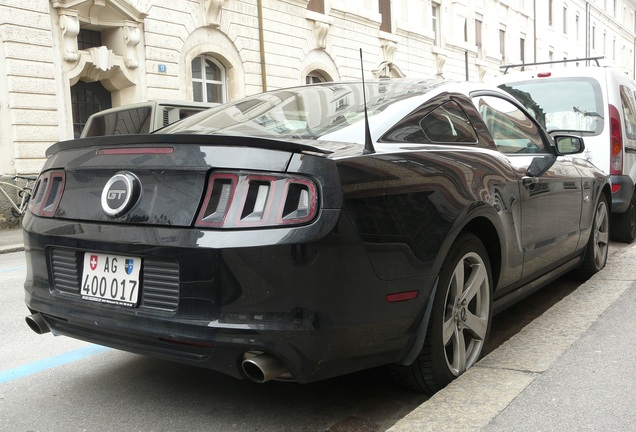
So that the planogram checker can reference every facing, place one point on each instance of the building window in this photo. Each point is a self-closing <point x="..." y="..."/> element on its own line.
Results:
<point x="86" y="100"/>
<point x="466" y="30"/>
<point x="316" y="6"/>
<point x="208" y="80"/>
<point x="578" y="28"/>
<point x="315" y="77"/>
<point x="88" y="39"/>
<point x="565" y="20"/>
<point x="593" y="37"/>
<point x="502" y="44"/>
<point x="550" y="13"/>
<point x="522" y="50"/>
<point x="385" y="12"/>
<point x="436" y="24"/>
<point x="478" y="33"/>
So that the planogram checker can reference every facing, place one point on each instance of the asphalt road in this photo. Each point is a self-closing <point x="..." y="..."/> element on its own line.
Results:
<point x="53" y="384"/>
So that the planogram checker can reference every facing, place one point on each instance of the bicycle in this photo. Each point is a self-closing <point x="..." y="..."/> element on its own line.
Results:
<point x="24" y="186"/>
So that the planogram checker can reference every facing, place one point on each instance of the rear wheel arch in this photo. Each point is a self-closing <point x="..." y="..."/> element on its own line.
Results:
<point x="486" y="231"/>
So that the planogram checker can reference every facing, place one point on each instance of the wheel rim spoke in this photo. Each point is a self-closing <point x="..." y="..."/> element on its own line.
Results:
<point x="448" y="330"/>
<point x="474" y="284"/>
<point x="477" y="325"/>
<point x="459" y="352"/>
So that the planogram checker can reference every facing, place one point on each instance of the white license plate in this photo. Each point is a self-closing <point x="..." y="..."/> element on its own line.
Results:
<point x="112" y="279"/>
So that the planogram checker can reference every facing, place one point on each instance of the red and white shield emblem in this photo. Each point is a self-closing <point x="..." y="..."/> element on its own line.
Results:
<point x="93" y="262"/>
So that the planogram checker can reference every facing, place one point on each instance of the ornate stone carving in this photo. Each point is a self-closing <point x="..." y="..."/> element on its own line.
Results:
<point x="102" y="58"/>
<point x="388" y="50"/>
<point x="70" y="26"/>
<point x="440" y="59"/>
<point x="131" y="40"/>
<point x="321" y="31"/>
<point x="212" y="12"/>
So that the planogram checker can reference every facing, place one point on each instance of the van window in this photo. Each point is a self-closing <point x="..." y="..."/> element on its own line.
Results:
<point x="129" y="121"/>
<point x="568" y="104"/>
<point x="629" y="113"/>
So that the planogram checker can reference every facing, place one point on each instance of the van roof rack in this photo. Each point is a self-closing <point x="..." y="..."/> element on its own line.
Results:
<point x="595" y="59"/>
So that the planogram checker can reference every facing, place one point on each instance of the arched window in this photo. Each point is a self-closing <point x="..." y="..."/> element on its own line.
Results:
<point x="208" y="80"/>
<point x="315" y="77"/>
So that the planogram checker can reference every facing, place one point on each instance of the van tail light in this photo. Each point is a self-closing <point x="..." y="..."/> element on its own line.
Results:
<point x="251" y="200"/>
<point x="47" y="193"/>
<point x="616" y="142"/>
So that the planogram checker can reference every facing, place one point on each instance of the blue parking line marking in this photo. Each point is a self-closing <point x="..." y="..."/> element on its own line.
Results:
<point x="51" y="362"/>
<point x="10" y="269"/>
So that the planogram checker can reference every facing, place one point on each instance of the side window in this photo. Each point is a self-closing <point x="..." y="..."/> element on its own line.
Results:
<point x="512" y="130"/>
<point x="629" y="114"/>
<point x="445" y="124"/>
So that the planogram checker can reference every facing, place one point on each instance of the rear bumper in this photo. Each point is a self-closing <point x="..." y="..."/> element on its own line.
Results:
<point x="623" y="196"/>
<point x="318" y="307"/>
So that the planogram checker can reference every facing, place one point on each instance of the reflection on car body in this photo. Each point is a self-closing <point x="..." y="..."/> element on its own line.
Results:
<point x="269" y="244"/>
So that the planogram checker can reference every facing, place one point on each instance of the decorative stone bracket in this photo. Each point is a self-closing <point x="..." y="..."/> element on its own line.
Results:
<point x="322" y="25"/>
<point x="70" y="26"/>
<point x="388" y="68"/>
<point x="440" y="59"/>
<point x="212" y="12"/>
<point x="132" y="36"/>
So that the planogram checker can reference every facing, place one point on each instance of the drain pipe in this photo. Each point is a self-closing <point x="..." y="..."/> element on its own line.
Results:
<point x="261" y="40"/>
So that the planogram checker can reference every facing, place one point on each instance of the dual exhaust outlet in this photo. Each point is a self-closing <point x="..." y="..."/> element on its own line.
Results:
<point x="37" y="324"/>
<point x="259" y="368"/>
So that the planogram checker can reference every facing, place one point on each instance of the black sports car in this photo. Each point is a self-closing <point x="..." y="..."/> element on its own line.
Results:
<point x="283" y="236"/>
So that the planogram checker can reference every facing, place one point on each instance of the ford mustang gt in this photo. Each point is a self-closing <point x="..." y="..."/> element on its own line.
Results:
<point x="310" y="232"/>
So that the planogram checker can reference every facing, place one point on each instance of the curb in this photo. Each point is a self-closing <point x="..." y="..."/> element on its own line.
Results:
<point x="11" y="248"/>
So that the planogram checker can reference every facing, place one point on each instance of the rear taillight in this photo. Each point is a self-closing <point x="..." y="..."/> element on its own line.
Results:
<point x="616" y="142"/>
<point x="47" y="193"/>
<point x="236" y="200"/>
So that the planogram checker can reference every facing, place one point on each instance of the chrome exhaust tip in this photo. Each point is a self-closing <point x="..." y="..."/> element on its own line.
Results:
<point x="37" y="324"/>
<point x="263" y="367"/>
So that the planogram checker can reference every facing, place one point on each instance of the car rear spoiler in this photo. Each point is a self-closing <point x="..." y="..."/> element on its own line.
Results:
<point x="211" y="140"/>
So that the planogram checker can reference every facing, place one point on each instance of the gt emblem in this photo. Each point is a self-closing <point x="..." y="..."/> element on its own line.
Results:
<point x="120" y="194"/>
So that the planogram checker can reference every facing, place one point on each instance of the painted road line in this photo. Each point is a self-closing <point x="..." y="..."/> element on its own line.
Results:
<point x="51" y="362"/>
<point x="12" y="269"/>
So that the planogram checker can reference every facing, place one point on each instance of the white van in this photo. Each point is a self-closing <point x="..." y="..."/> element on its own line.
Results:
<point x="143" y="117"/>
<point x="599" y="104"/>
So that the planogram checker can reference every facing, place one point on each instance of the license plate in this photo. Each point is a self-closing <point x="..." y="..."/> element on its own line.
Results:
<point x="112" y="279"/>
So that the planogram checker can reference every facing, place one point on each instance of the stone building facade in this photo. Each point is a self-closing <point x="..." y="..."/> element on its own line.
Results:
<point x="61" y="60"/>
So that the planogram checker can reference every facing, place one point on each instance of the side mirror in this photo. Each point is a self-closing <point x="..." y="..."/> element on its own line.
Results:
<point x="568" y="144"/>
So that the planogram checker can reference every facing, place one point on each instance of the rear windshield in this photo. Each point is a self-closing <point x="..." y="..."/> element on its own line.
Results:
<point x="568" y="104"/>
<point x="329" y="111"/>
<point x="124" y="122"/>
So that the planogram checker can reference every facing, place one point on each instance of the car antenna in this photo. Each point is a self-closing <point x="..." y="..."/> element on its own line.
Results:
<point x="368" y="142"/>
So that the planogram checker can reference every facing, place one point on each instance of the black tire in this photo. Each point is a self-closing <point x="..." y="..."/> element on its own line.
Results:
<point x="598" y="244"/>
<point x="624" y="224"/>
<point x="460" y="319"/>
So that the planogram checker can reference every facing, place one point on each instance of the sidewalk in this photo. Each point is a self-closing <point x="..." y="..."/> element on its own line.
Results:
<point x="11" y="240"/>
